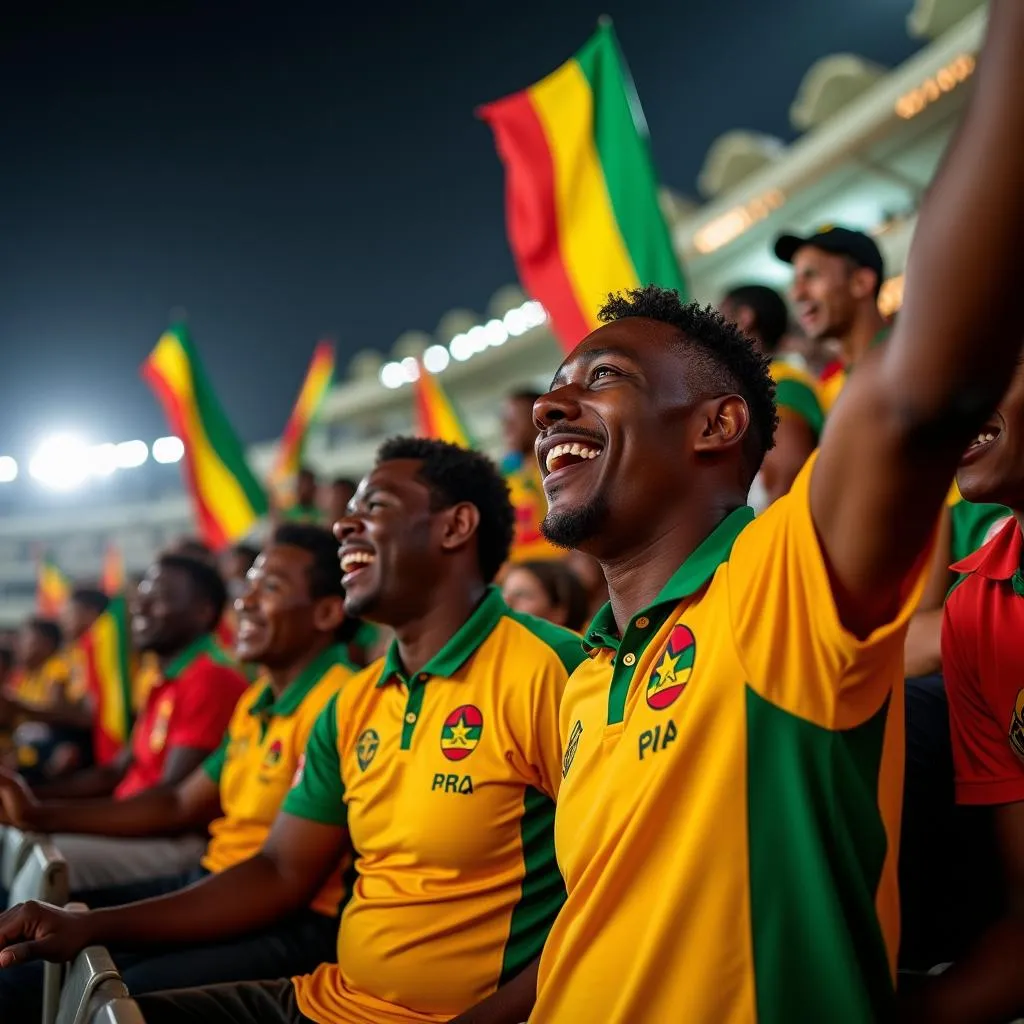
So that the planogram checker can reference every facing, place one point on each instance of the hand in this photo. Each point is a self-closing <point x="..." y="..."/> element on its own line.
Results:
<point x="39" y="931"/>
<point x="18" y="805"/>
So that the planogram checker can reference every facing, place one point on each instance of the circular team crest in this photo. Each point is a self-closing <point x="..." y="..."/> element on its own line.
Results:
<point x="672" y="673"/>
<point x="366" y="748"/>
<point x="273" y="755"/>
<point x="461" y="732"/>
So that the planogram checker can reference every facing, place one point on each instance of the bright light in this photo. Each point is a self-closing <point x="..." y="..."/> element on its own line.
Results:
<point x="494" y="331"/>
<point x="515" y="322"/>
<point x="436" y="359"/>
<point x="168" y="449"/>
<point x="461" y="347"/>
<point x="477" y="338"/>
<point x="60" y="462"/>
<point x="8" y="469"/>
<point x="392" y="375"/>
<point x="130" y="454"/>
<point x="534" y="313"/>
<point x="411" y="369"/>
<point x="103" y="459"/>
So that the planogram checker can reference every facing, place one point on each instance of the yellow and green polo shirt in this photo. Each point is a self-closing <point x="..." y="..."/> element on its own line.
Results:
<point x="796" y="394"/>
<point x="256" y="763"/>
<point x="728" y="819"/>
<point x="39" y="686"/>
<point x="446" y="783"/>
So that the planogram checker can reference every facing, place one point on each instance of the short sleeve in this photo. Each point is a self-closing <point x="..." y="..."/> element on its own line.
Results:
<point x="985" y="768"/>
<point x="318" y="792"/>
<point x="205" y="699"/>
<point x="214" y="764"/>
<point x="799" y="398"/>
<point x="794" y="650"/>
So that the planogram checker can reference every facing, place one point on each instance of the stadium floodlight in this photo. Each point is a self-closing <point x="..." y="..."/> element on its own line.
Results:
<point x="461" y="347"/>
<point x="167" y="450"/>
<point x="8" y="469"/>
<point x="495" y="332"/>
<point x="534" y="314"/>
<point x="411" y="369"/>
<point x="436" y="359"/>
<point x="103" y="459"/>
<point x="130" y="454"/>
<point x="60" y="462"/>
<point x="392" y="375"/>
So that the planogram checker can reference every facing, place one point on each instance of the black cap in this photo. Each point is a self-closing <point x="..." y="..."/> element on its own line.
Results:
<point x="856" y="245"/>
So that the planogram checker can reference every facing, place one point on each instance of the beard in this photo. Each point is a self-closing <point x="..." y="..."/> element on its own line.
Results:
<point x="573" y="527"/>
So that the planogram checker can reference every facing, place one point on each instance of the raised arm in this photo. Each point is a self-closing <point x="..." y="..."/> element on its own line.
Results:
<point x="894" y="438"/>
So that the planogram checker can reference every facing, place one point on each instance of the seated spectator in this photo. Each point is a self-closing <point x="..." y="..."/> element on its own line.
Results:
<point x="437" y="767"/>
<point x="334" y="498"/>
<point x="549" y="590"/>
<point x="304" y="509"/>
<point x="179" y="602"/>
<point x="292" y="622"/>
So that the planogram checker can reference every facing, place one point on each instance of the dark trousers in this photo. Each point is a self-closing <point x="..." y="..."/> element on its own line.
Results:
<point x="297" y="944"/>
<point x="255" y="1002"/>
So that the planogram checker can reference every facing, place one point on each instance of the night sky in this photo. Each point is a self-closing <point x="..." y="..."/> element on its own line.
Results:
<point x="302" y="172"/>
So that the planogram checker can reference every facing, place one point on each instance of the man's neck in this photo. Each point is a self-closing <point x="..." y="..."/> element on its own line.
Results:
<point x="635" y="577"/>
<point x="450" y="604"/>
<point x="861" y="336"/>
<point x="163" y="660"/>
<point x="282" y="678"/>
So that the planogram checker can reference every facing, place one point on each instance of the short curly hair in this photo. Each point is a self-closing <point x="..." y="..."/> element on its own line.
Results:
<point x="454" y="475"/>
<point x="728" y="363"/>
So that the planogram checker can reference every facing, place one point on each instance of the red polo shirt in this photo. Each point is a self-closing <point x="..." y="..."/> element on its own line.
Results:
<point x="983" y="665"/>
<point x="190" y="705"/>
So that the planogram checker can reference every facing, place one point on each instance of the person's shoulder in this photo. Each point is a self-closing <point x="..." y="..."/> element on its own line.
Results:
<point x="210" y="669"/>
<point x="539" y="638"/>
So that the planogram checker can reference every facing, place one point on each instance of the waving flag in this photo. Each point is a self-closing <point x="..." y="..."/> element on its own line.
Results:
<point x="436" y="416"/>
<point x="112" y="582"/>
<point x="581" y="192"/>
<point x="226" y="496"/>
<point x="52" y="589"/>
<point x="318" y="382"/>
<point x="107" y="664"/>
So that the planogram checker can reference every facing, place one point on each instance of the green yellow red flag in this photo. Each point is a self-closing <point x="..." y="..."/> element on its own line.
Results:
<point x="436" y="415"/>
<point x="107" y="665"/>
<point x="226" y="496"/>
<point x="314" y="389"/>
<point x="581" y="205"/>
<point x="52" y="588"/>
<point x="112" y="581"/>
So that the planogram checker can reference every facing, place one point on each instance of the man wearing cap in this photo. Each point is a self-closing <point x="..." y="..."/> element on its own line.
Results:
<point x="837" y="277"/>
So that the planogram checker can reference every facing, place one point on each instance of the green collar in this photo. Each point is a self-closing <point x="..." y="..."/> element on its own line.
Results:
<point x="298" y="689"/>
<point x="695" y="571"/>
<point x="206" y="644"/>
<point x="458" y="650"/>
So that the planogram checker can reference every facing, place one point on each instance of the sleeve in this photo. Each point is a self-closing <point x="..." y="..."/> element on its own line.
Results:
<point x="214" y="764"/>
<point x="318" y="792"/>
<point x="985" y="768"/>
<point x="205" y="700"/>
<point x="798" y="397"/>
<point x="794" y="650"/>
<point x="538" y="750"/>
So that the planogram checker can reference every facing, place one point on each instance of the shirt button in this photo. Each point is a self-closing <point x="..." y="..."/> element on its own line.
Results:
<point x="411" y="717"/>
<point x="643" y="622"/>
<point x="629" y="659"/>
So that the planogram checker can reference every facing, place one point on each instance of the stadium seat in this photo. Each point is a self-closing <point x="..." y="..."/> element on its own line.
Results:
<point x="14" y="847"/>
<point x="43" y="875"/>
<point x="118" y="1011"/>
<point x="92" y="984"/>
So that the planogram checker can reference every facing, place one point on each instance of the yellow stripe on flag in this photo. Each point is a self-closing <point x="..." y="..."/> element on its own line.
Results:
<point x="595" y="254"/>
<point x="113" y="713"/>
<point x="218" y="488"/>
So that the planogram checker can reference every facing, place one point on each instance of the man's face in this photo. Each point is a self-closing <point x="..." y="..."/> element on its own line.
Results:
<point x="825" y="292"/>
<point x="76" y="620"/>
<point x="390" y="542"/>
<point x="334" y="499"/>
<point x="234" y="567"/>
<point x="305" y="489"/>
<point x="625" y="430"/>
<point x="518" y="430"/>
<point x="33" y="647"/>
<point x="278" y="618"/>
<point x="166" y="615"/>
<point x="992" y="469"/>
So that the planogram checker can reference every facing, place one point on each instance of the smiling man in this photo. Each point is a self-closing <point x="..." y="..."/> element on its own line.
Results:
<point x="437" y="767"/>
<point x="178" y="603"/>
<point x="291" y="621"/>
<point x="728" y="819"/>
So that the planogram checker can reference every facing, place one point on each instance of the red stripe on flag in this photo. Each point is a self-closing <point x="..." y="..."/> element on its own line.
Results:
<point x="531" y="213"/>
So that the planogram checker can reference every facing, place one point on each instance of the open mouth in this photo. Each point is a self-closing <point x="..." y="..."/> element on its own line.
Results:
<point x="561" y="456"/>
<point x="986" y="436"/>
<point x="353" y="562"/>
<point x="246" y="629"/>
